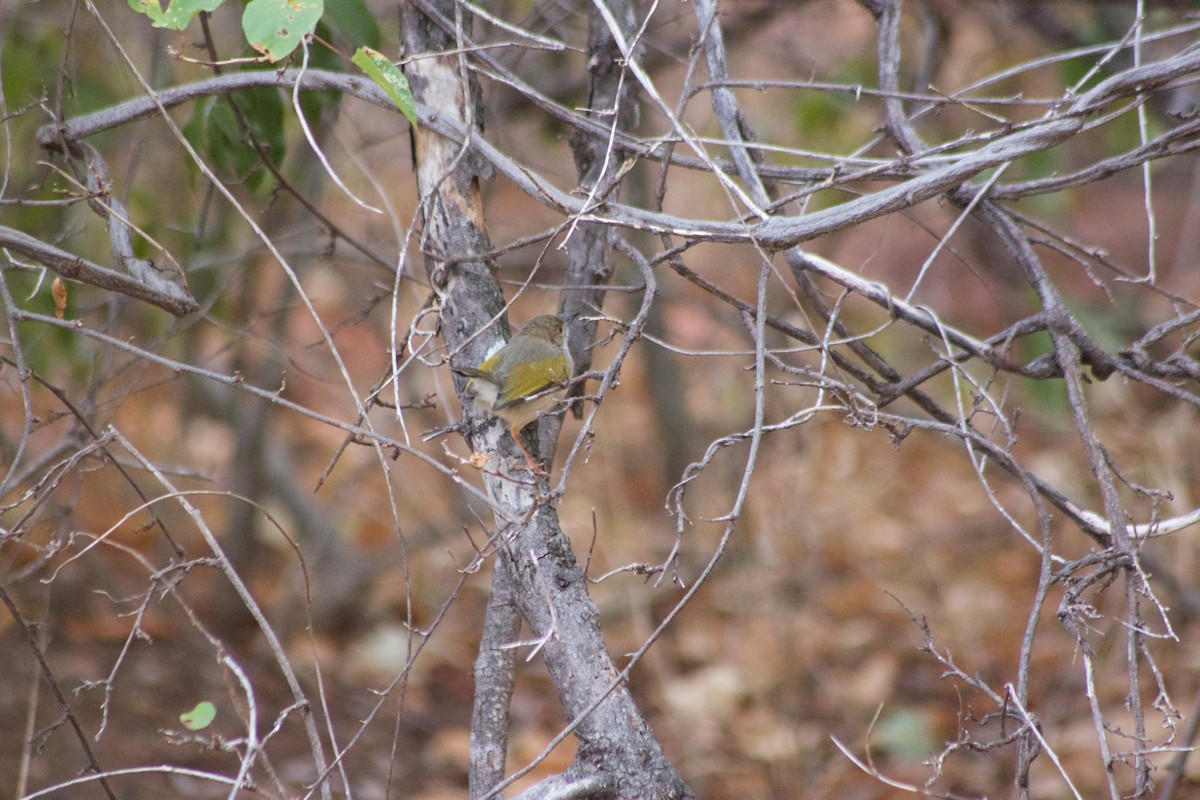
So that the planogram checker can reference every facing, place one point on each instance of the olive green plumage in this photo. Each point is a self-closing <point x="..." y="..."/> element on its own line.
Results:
<point x="519" y="381"/>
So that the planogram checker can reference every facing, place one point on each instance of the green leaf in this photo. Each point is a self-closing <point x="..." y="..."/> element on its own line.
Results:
<point x="215" y="131"/>
<point x="178" y="14"/>
<point x="275" y="27"/>
<point x="199" y="717"/>
<point x="389" y="78"/>
<point x="353" y="20"/>
<point x="906" y="734"/>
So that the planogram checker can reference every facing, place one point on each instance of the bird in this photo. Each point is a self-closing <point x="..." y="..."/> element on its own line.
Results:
<point x="526" y="377"/>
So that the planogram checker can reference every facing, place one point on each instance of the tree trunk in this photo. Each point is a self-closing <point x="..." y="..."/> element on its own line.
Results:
<point x="618" y="755"/>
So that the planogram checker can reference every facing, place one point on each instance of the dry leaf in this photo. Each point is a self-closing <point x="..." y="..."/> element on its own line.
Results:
<point x="58" y="290"/>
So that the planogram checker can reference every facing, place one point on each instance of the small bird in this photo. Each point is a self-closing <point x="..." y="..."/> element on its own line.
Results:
<point x="524" y="378"/>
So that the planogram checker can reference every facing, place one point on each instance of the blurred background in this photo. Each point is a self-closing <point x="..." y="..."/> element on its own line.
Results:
<point x="805" y="631"/>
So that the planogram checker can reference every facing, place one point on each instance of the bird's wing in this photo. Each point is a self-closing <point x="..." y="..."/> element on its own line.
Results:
<point x="533" y="377"/>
